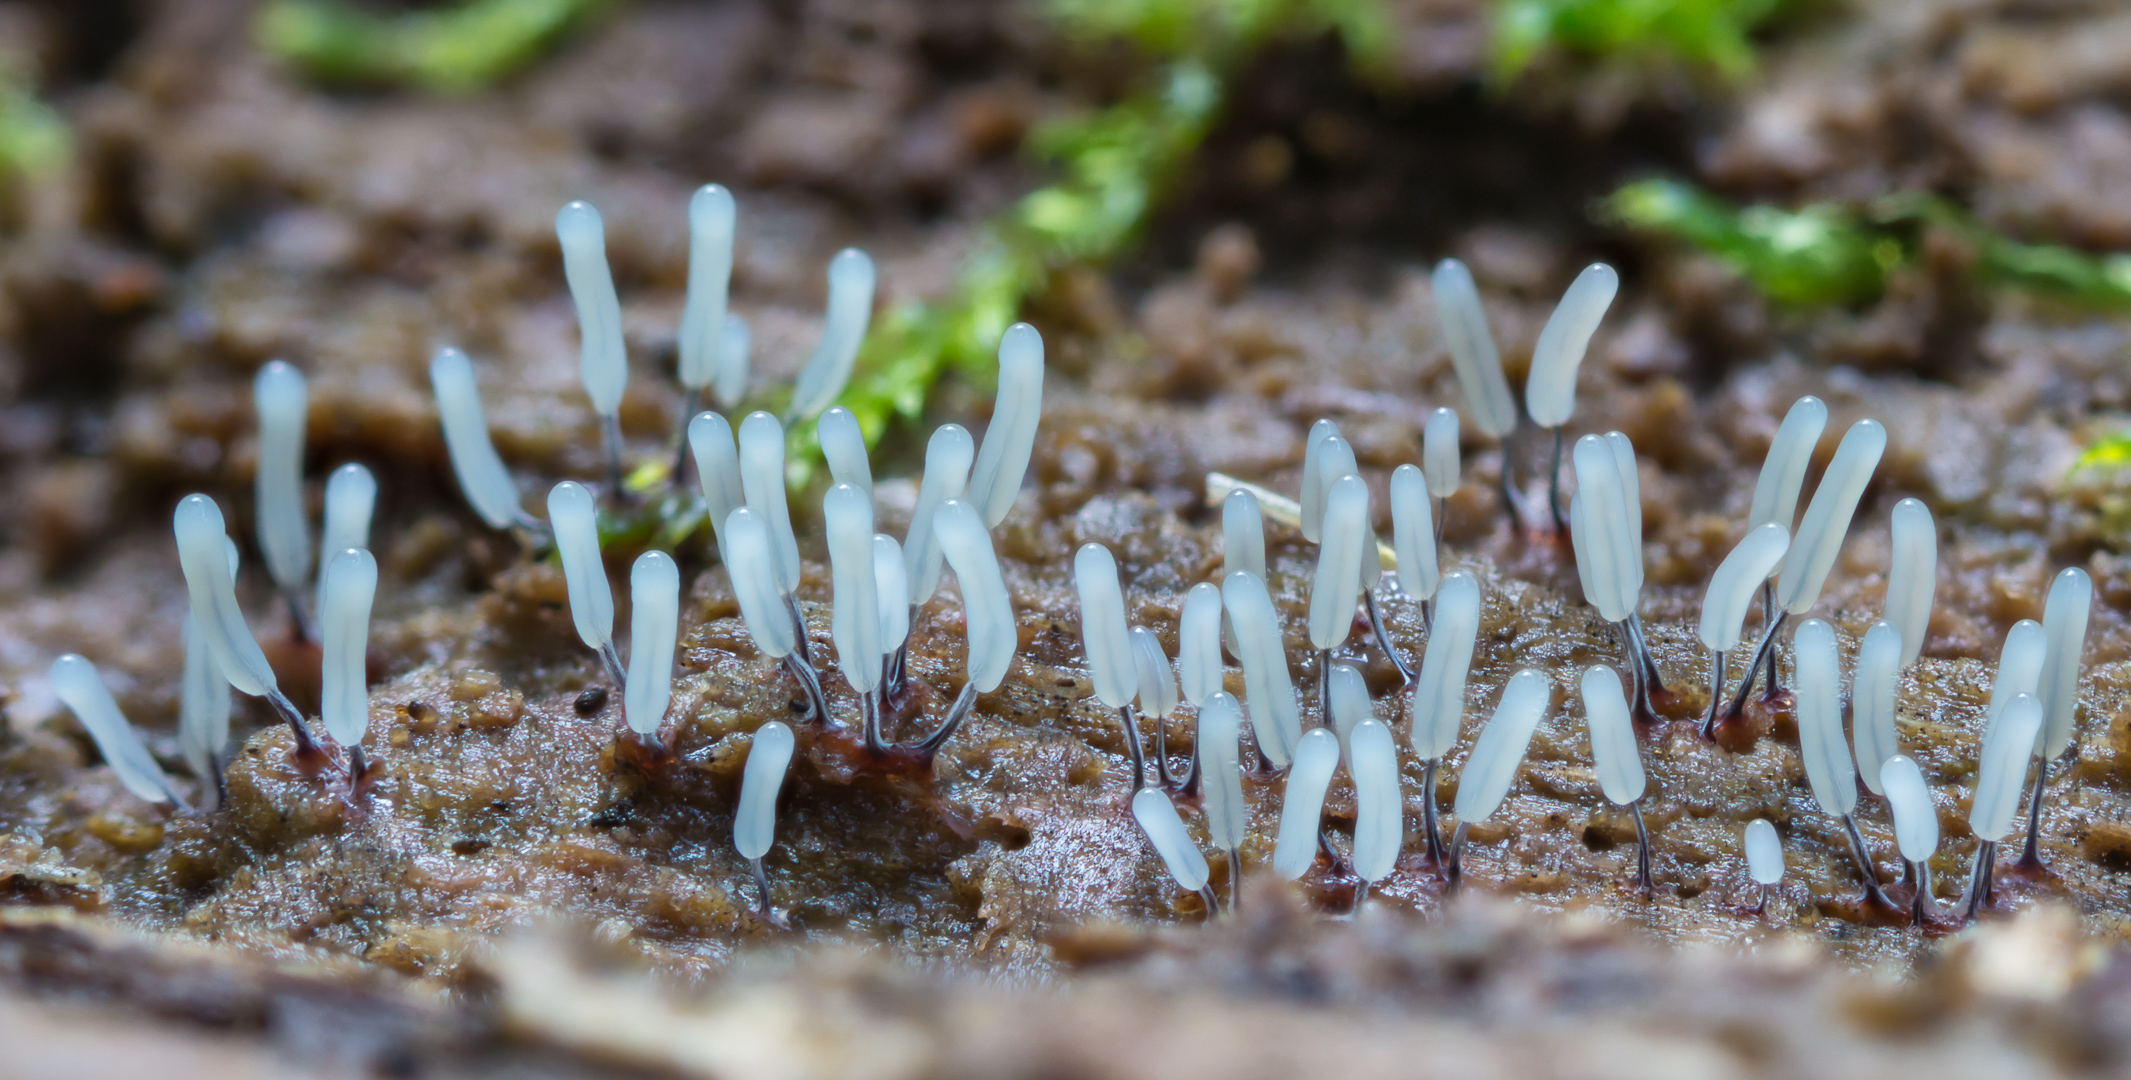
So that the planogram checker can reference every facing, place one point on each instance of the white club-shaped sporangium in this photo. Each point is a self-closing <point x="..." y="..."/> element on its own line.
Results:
<point x="350" y="585"/>
<point x="654" y="630"/>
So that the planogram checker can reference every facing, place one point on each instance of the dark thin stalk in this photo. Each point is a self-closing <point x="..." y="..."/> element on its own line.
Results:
<point x="810" y="682"/>
<point x="1746" y="685"/>
<point x="1716" y="694"/>
<point x="689" y="398"/>
<point x="1863" y="857"/>
<point x="1189" y="785"/>
<point x="1383" y="640"/>
<point x="1553" y="489"/>
<point x="799" y="628"/>
<point x="1636" y="697"/>
<point x="2032" y="855"/>
<point x="306" y="744"/>
<point x="1161" y="752"/>
<point x="1213" y="904"/>
<point x="964" y="703"/>
<point x="1457" y="849"/>
<point x="612" y="661"/>
<point x="300" y="627"/>
<point x="1642" y="848"/>
<point x="870" y="716"/>
<point x="1504" y="481"/>
<point x="762" y="892"/>
<point x="1774" y="686"/>
<point x="1132" y="746"/>
<point x="610" y="429"/>
<point x="1652" y="677"/>
<point x="1979" y="883"/>
<point x="1324" y="689"/>
<point x="1235" y="880"/>
<point x="1920" y="905"/>
<point x="1428" y="813"/>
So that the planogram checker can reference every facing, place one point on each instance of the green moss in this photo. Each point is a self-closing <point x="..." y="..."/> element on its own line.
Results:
<point x="33" y="138"/>
<point x="1817" y="255"/>
<point x="452" y="50"/>
<point x="1827" y="253"/>
<point x="1710" y="34"/>
<point x="1111" y="166"/>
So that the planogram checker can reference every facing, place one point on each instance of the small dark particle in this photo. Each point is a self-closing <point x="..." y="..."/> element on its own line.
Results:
<point x="420" y="712"/>
<point x="591" y="701"/>
<point x="468" y="846"/>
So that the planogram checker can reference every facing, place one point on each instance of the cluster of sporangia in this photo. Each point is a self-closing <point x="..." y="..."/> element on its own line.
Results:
<point x="879" y="584"/>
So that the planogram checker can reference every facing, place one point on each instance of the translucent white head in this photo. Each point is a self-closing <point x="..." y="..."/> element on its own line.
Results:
<point x="574" y="517"/>
<point x="1010" y="437"/>
<point x="1872" y="686"/>
<point x="755" y="817"/>
<point x="1783" y="470"/>
<point x="1472" y="349"/>
<point x="602" y="361"/>
<point x="1337" y="585"/>
<point x="2064" y="623"/>
<point x="891" y="587"/>
<point x="1764" y="852"/>
<point x="843" y="330"/>
<point x="1349" y="698"/>
<point x="844" y="445"/>
<point x="1302" y="804"/>
<point x="1439" y="689"/>
<point x="654" y="630"/>
<point x="710" y="439"/>
<point x="487" y="484"/>
<point x="711" y="215"/>
<point x="1828" y="767"/>
<point x="1912" y="575"/>
<point x="1268" y="689"/>
<point x="855" y="623"/>
<point x="351" y="499"/>
<point x="345" y="596"/>
<point x="947" y="459"/>
<point x="1313" y="480"/>
<point x="750" y="561"/>
<point x="1827" y="517"/>
<point x="1485" y="779"/>
<point x="1737" y="579"/>
<point x="1413" y="533"/>
<point x="1916" y="822"/>
<point x="284" y="531"/>
<point x="2001" y="767"/>
<point x="1102" y="626"/>
<point x="1157" y="682"/>
<point x="75" y="682"/>
<point x="1199" y="642"/>
<point x="1613" y="749"/>
<point x="1158" y="819"/>
<point x="1379" y="807"/>
<point x="762" y="481"/>
<point x="1439" y="452"/>
<point x="987" y="609"/>
<point x="203" y="554"/>
<point x="1219" y="754"/>
<point x="1550" y="388"/>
